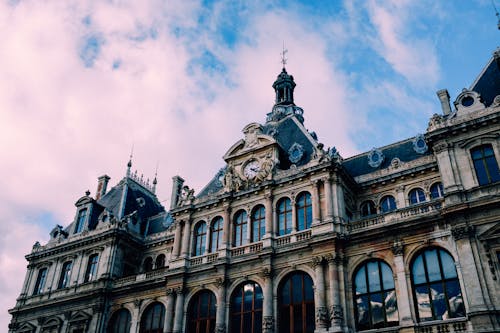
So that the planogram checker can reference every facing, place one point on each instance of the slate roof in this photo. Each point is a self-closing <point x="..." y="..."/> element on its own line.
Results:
<point x="112" y="199"/>
<point x="358" y="165"/>
<point x="488" y="82"/>
<point x="156" y="224"/>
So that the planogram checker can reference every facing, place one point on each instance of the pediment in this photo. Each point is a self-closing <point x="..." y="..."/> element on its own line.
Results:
<point x="83" y="201"/>
<point x="491" y="233"/>
<point x="79" y="316"/>
<point x="254" y="140"/>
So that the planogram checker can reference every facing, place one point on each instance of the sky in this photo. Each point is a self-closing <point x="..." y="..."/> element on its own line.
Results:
<point x="82" y="83"/>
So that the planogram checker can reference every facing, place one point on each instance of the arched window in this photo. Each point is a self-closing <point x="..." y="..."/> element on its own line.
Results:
<point x="120" y="322"/>
<point x="416" y="196"/>
<point x="437" y="190"/>
<point x="485" y="164"/>
<point x="304" y="211"/>
<point x="436" y="288"/>
<point x="91" y="272"/>
<point x="160" y="261"/>
<point x="258" y="223"/>
<point x="216" y="234"/>
<point x="201" y="313"/>
<point x="200" y="239"/>
<point x="65" y="275"/>
<point x="296" y="304"/>
<point x="80" y="220"/>
<point x="284" y="216"/>
<point x="148" y="264"/>
<point x="387" y="204"/>
<point x="375" y="296"/>
<point x="368" y="208"/>
<point x="240" y="228"/>
<point x="153" y="318"/>
<point x="246" y="309"/>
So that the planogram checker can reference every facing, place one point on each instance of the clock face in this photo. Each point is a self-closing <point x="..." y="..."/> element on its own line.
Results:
<point x="251" y="169"/>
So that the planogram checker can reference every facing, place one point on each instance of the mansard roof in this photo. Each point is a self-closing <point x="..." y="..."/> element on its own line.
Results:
<point x="488" y="82"/>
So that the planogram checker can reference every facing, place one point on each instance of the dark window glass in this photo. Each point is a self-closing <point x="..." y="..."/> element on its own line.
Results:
<point x="246" y="309"/>
<point x="216" y="234"/>
<point x="387" y="204"/>
<point x="153" y="318"/>
<point x="304" y="211"/>
<point x="240" y="228"/>
<point x="375" y="296"/>
<point x="200" y="239"/>
<point x="417" y="195"/>
<point x="485" y="164"/>
<point x="91" y="271"/>
<point x="436" y="287"/>
<point x="80" y="220"/>
<point x="201" y="313"/>
<point x="258" y="223"/>
<point x="160" y="261"/>
<point x="285" y="216"/>
<point x="40" y="281"/>
<point x="120" y="322"/>
<point x="65" y="275"/>
<point x="148" y="264"/>
<point x="437" y="191"/>
<point x="296" y="304"/>
<point x="368" y="208"/>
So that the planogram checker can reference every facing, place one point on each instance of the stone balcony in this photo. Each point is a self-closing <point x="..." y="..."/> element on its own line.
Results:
<point x="425" y="209"/>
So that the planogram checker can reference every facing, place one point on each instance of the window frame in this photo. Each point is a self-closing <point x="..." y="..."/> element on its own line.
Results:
<point x="258" y="222"/>
<point x="285" y="219"/>
<point x="371" y="208"/>
<point x="160" y="261"/>
<point x="416" y="196"/>
<point x="306" y="307"/>
<point x="65" y="275"/>
<point x="194" y="316"/>
<point x="153" y="311"/>
<point x="216" y="230"/>
<point x="387" y="198"/>
<point x="118" y="319"/>
<point x="41" y="279"/>
<point x="482" y="161"/>
<point x="80" y="220"/>
<point x="438" y="188"/>
<point x="200" y="239"/>
<point x="92" y="266"/>
<point x="303" y="208"/>
<point x="254" y="312"/>
<point x="240" y="228"/>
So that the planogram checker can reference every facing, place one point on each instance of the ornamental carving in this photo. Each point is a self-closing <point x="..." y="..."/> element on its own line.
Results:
<point x="295" y="153"/>
<point x="220" y="282"/>
<point x="220" y="328"/>
<point x="463" y="232"/>
<point x="267" y="324"/>
<point x="137" y="303"/>
<point x="322" y="316"/>
<point x="419" y="144"/>
<point x="316" y="261"/>
<point x="397" y="248"/>
<point x="266" y="273"/>
<point x="375" y="158"/>
<point x="336" y="313"/>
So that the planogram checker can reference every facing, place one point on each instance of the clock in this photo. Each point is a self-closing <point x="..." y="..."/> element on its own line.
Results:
<point x="251" y="169"/>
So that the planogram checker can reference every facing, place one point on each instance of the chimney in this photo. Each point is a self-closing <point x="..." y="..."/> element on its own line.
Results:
<point x="102" y="184"/>
<point x="177" y="183"/>
<point x="444" y="97"/>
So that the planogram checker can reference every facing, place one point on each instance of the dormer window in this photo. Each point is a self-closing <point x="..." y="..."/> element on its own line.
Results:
<point x="485" y="164"/>
<point x="80" y="220"/>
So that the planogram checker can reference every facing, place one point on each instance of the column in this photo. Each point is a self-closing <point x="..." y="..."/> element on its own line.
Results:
<point x="329" y="199"/>
<point x="319" y="295"/>
<point x="400" y="197"/>
<point x="135" y="319"/>
<point x="220" y="319"/>
<point x="294" y="215"/>
<point x="336" y="311"/>
<point x="269" y="216"/>
<point x="402" y="290"/>
<point x="471" y="282"/>
<point x="177" y="241"/>
<point x="169" y="311"/>
<point x="28" y="279"/>
<point x="248" y="238"/>
<point x="267" y="310"/>
<point x="186" y="238"/>
<point x="227" y="226"/>
<point x="316" y="202"/>
<point x="179" y="310"/>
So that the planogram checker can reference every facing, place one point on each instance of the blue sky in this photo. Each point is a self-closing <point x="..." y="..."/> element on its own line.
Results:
<point x="81" y="82"/>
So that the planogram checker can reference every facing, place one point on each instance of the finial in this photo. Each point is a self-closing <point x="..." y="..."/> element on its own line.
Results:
<point x="283" y="55"/>
<point x="153" y="189"/>
<point x="129" y="164"/>
<point x="496" y="13"/>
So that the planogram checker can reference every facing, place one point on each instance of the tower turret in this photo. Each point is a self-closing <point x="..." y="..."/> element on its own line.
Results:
<point x="284" y="86"/>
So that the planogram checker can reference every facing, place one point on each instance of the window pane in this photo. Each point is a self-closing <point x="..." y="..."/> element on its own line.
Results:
<point x="377" y="310"/>
<point x="438" y="301"/>
<point x="482" y="176"/>
<point x="424" y="305"/>
<point x="455" y="300"/>
<point x="432" y="265"/>
<point x="360" y="281"/>
<point x="391" y="307"/>
<point x="418" y="270"/>
<point x="297" y="288"/>
<point x="492" y="165"/>
<point x="449" y="270"/>
<point x="308" y="288"/>
<point x="387" y="278"/>
<point x="373" y="277"/>
<point x="363" y="314"/>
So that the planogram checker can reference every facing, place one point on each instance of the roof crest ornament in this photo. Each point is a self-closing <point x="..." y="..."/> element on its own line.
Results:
<point x="129" y="164"/>
<point x="283" y="55"/>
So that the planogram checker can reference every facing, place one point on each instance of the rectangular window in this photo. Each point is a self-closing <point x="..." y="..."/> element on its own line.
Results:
<point x="40" y="281"/>
<point x="80" y="220"/>
<point x="485" y="164"/>
<point x="65" y="275"/>
<point x="91" y="271"/>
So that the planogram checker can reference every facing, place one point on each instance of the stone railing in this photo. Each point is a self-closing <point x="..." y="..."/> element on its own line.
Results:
<point x="426" y="208"/>
<point x="250" y="248"/>
<point x="204" y="259"/>
<point x="303" y="235"/>
<point x="450" y="327"/>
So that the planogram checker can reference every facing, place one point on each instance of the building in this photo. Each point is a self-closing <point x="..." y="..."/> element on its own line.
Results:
<point x="291" y="237"/>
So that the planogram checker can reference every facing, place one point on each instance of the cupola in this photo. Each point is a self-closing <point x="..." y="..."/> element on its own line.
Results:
<point x="284" y="86"/>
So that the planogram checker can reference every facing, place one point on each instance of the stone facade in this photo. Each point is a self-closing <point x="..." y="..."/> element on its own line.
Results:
<point x="291" y="237"/>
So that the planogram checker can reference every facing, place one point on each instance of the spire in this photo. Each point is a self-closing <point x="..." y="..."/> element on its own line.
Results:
<point x="129" y="164"/>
